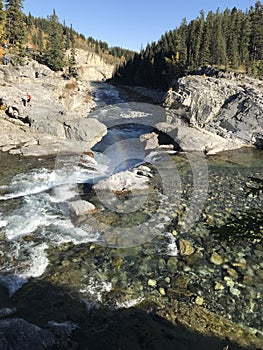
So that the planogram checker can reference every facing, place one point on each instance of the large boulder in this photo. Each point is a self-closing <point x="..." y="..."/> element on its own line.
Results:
<point x="228" y="107"/>
<point x="241" y="115"/>
<point x="89" y="130"/>
<point x="199" y="139"/>
<point x="123" y="182"/>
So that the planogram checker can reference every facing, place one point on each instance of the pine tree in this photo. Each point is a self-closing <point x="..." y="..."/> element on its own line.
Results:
<point x="15" y="24"/>
<point x="72" y="58"/>
<point x="54" y="54"/>
<point x="257" y="32"/>
<point x="30" y="21"/>
<point x="205" y="53"/>
<point x="219" y="46"/>
<point x="2" y="24"/>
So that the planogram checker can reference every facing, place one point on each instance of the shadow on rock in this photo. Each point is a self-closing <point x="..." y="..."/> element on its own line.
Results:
<point x="43" y="316"/>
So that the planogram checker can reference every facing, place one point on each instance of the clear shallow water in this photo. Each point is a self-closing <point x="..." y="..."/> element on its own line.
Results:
<point x="38" y="239"/>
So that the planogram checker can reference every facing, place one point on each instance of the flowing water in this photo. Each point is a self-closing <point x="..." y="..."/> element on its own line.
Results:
<point x="190" y="197"/>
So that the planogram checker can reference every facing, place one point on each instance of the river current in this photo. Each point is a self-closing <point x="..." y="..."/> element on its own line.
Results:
<point x="200" y="201"/>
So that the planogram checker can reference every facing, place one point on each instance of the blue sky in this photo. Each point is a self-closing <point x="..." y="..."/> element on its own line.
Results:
<point x="130" y="24"/>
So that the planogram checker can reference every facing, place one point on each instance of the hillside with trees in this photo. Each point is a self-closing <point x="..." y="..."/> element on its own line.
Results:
<point x="229" y="40"/>
<point x="47" y="40"/>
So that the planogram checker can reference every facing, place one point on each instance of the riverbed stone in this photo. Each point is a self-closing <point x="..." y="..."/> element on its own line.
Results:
<point x="162" y="291"/>
<point x="172" y="263"/>
<point x="232" y="272"/>
<point x="229" y="281"/>
<point x="219" y="286"/>
<point x="234" y="291"/>
<point x="80" y="207"/>
<point x="185" y="247"/>
<point x="199" y="300"/>
<point x="216" y="259"/>
<point x="152" y="283"/>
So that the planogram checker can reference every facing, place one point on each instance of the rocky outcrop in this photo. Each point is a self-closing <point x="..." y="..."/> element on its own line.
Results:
<point x="199" y="139"/>
<point x="229" y="109"/>
<point x="58" y="109"/>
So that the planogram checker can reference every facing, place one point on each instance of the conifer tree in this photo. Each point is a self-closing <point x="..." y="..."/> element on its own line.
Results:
<point x="257" y="32"/>
<point x="204" y="52"/>
<point x="54" y="54"/>
<point x="244" y="41"/>
<point x="15" y="24"/>
<point x="232" y="39"/>
<point x="2" y="23"/>
<point x="219" y="44"/>
<point x="72" y="58"/>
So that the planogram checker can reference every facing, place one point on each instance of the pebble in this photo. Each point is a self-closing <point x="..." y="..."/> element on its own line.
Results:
<point x="216" y="259"/>
<point x="260" y="273"/>
<point x="172" y="264"/>
<point x="199" y="300"/>
<point x="235" y="291"/>
<point x="152" y="283"/>
<point x="219" y="286"/>
<point x="240" y="264"/>
<point x="229" y="282"/>
<point x="232" y="273"/>
<point x="162" y="291"/>
<point x="185" y="247"/>
<point x="168" y="280"/>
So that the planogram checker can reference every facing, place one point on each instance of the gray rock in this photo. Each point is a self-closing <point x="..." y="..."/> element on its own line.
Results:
<point x="151" y="140"/>
<point x="226" y="106"/>
<point x="57" y="108"/>
<point x="122" y="182"/>
<point x="18" y="334"/>
<point x="198" y="139"/>
<point x="80" y="207"/>
<point x="52" y="148"/>
<point x="89" y="130"/>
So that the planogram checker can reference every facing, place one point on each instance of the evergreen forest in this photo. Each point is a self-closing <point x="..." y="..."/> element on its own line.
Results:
<point x="47" y="40"/>
<point x="231" y="40"/>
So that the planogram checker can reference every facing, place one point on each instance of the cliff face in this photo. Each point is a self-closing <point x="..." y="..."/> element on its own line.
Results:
<point x="57" y="105"/>
<point x="229" y="108"/>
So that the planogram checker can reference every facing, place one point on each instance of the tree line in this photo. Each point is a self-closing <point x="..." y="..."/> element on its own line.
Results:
<point x="47" y="40"/>
<point x="229" y="40"/>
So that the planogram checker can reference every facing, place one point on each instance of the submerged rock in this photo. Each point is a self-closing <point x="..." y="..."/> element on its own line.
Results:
<point x="185" y="247"/>
<point x="80" y="207"/>
<point x="123" y="182"/>
<point x="216" y="259"/>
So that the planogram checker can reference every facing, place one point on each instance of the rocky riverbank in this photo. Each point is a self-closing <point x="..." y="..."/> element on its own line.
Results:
<point x="57" y="111"/>
<point x="192" y="285"/>
<point x="203" y="113"/>
<point x="214" y="111"/>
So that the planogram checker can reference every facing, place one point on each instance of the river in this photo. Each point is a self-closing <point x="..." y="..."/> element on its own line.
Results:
<point x="185" y="241"/>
